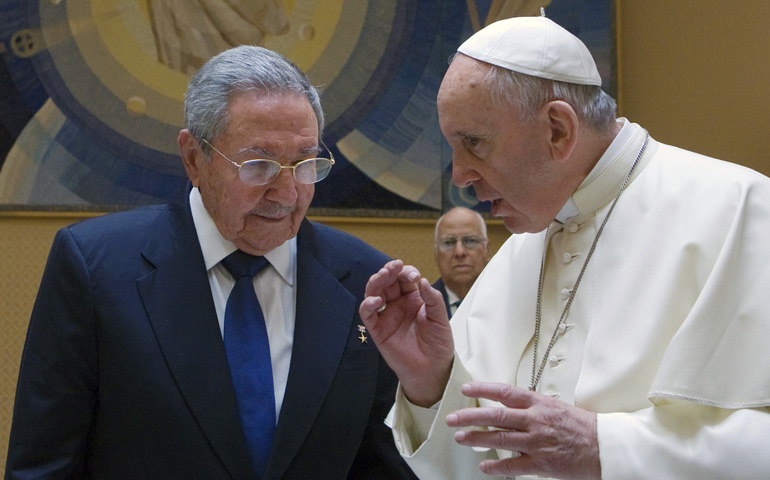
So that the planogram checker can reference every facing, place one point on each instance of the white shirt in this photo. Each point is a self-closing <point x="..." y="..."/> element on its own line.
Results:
<point x="275" y="288"/>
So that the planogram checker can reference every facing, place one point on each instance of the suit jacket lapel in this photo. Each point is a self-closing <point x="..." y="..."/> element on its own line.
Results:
<point x="177" y="297"/>
<point x="319" y="341"/>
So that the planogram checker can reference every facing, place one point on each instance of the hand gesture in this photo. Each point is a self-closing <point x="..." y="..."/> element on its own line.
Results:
<point x="408" y="321"/>
<point x="553" y="438"/>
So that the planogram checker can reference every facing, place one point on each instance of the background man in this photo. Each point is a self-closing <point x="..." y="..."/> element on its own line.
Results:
<point x="621" y="332"/>
<point x="125" y="373"/>
<point x="461" y="250"/>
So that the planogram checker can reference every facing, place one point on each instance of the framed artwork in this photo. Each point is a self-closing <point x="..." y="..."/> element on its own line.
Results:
<point x="92" y="92"/>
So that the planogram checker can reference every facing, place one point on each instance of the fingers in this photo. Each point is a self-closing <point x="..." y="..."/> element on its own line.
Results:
<point x="497" y="439"/>
<point x="513" y="466"/>
<point x="494" y="417"/>
<point x="370" y="307"/>
<point x="385" y="277"/>
<point x="408" y="279"/>
<point x="508" y="395"/>
<point x="555" y="439"/>
<point x="393" y="274"/>
<point x="392" y="281"/>
<point x="513" y="416"/>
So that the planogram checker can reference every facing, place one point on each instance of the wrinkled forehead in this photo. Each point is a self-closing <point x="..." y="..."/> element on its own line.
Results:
<point x="465" y="75"/>
<point x="457" y="231"/>
<point x="291" y="108"/>
<point x="458" y="224"/>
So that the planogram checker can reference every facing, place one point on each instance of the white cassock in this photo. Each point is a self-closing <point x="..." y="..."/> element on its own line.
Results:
<point x="668" y="335"/>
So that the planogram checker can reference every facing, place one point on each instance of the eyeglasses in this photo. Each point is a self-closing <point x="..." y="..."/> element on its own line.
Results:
<point x="470" y="242"/>
<point x="261" y="172"/>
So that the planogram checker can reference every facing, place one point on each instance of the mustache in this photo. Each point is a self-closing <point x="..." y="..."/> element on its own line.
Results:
<point x="274" y="210"/>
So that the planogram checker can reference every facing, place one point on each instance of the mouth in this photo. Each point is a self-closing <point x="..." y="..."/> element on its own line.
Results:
<point x="496" y="204"/>
<point x="274" y="211"/>
<point x="488" y="196"/>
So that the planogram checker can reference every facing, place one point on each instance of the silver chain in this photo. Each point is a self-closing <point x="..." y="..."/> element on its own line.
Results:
<point x="537" y="373"/>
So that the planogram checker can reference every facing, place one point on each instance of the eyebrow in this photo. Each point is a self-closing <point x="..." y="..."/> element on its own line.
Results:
<point x="255" y="152"/>
<point x="259" y="152"/>
<point x="476" y="235"/>
<point x="465" y="135"/>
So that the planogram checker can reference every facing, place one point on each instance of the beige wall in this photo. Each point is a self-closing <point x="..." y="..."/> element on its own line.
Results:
<point x="693" y="72"/>
<point x="696" y="74"/>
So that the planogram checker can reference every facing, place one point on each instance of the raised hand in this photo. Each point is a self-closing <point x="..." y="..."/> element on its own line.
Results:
<point x="553" y="438"/>
<point x="408" y="322"/>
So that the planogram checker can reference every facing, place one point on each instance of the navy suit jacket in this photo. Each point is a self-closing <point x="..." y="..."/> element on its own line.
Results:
<point x="124" y="373"/>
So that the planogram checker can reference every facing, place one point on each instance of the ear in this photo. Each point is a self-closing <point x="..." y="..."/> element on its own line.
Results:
<point x="189" y="149"/>
<point x="563" y="124"/>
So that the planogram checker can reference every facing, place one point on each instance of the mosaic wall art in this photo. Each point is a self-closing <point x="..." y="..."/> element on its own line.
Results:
<point x="91" y="91"/>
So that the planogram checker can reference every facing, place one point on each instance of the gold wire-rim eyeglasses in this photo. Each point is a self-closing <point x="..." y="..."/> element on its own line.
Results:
<point x="260" y="171"/>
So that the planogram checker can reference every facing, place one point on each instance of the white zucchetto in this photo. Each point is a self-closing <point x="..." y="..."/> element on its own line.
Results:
<point x="535" y="46"/>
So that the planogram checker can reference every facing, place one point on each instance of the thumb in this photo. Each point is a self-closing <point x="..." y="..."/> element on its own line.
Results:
<point x="434" y="302"/>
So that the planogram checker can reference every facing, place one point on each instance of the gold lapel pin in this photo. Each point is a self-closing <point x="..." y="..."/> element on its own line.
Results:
<point x="362" y="329"/>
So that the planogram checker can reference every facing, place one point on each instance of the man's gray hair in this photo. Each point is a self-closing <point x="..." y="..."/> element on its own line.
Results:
<point x="241" y="69"/>
<point x="527" y="94"/>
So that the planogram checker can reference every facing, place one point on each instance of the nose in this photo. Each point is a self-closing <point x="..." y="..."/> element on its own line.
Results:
<point x="462" y="175"/>
<point x="460" y="250"/>
<point x="283" y="189"/>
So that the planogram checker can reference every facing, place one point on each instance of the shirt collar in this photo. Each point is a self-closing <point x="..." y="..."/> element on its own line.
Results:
<point x="215" y="247"/>
<point x="451" y="296"/>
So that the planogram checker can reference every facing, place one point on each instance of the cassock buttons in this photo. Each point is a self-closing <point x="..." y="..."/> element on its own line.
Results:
<point x="555" y="360"/>
<point x="564" y="327"/>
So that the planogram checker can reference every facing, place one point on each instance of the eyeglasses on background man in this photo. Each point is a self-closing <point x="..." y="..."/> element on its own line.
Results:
<point x="471" y="242"/>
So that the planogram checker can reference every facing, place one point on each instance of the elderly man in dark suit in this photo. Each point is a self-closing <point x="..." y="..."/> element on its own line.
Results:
<point x="461" y="250"/>
<point x="136" y="363"/>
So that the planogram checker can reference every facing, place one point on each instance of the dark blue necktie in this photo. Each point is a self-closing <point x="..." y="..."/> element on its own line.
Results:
<point x="453" y="307"/>
<point x="248" y="353"/>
